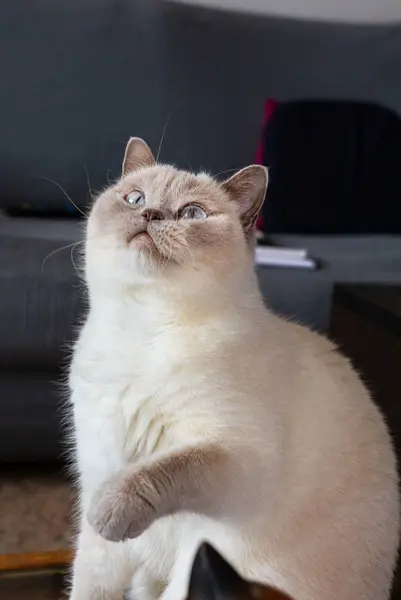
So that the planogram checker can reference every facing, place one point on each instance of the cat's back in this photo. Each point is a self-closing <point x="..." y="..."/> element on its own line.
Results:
<point x="323" y="400"/>
<point x="337" y="497"/>
<point x="331" y="435"/>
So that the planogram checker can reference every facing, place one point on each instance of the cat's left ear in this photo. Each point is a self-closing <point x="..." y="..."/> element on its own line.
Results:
<point x="137" y="155"/>
<point x="213" y="578"/>
<point x="247" y="189"/>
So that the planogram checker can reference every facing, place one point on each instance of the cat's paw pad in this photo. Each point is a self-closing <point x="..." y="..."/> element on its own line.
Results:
<point x="120" y="509"/>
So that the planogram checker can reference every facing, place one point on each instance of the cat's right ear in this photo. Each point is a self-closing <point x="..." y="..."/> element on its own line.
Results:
<point x="137" y="155"/>
<point x="247" y="188"/>
<point x="213" y="578"/>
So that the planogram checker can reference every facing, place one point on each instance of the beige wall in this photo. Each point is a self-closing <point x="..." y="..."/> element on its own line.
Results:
<point x="366" y="11"/>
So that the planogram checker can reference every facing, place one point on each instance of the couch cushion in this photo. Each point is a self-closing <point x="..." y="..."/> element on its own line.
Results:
<point x="39" y="299"/>
<point x="31" y="416"/>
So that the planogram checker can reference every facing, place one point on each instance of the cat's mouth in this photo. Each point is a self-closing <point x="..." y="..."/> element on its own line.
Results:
<point x="143" y="239"/>
<point x="143" y="242"/>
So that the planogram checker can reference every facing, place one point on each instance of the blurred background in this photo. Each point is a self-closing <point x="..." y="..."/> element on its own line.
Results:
<point x="311" y="89"/>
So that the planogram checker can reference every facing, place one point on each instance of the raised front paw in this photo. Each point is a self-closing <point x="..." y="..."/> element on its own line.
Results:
<point x="123" y="507"/>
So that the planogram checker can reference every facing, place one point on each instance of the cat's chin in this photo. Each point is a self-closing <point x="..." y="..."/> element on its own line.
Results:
<point x="143" y="241"/>
<point x="149" y="256"/>
<point x="149" y="262"/>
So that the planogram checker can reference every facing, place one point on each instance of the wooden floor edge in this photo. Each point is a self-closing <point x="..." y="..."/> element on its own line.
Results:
<point x="36" y="560"/>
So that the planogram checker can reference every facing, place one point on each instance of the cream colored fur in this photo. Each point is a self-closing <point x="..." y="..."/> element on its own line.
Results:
<point x="178" y="350"/>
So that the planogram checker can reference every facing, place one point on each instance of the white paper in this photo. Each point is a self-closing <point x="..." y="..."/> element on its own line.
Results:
<point x="278" y="253"/>
<point x="268" y="259"/>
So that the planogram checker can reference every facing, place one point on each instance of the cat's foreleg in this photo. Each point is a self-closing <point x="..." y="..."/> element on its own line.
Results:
<point x="100" y="569"/>
<point x="204" y="478"/>
<point x="146" y="586"/>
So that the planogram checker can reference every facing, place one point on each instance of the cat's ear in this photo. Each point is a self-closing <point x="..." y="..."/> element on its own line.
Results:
<point x="247" y="188"/>
<point x="212" y="578"/>
<point x="137" y="155"/>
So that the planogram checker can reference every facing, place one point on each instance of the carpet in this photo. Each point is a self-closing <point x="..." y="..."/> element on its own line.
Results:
<point x="35" y="509"/>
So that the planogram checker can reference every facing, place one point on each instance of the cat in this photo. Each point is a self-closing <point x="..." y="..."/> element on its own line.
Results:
<point x="213" y="578"/>
<point x="199" y="415"/>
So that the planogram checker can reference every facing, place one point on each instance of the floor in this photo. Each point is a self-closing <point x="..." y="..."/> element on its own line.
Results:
<point x="48" y="587"/>
<point x="35" y="510"/>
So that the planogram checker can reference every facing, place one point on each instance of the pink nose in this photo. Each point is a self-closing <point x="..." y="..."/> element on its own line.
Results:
<point x="151" y="214"/>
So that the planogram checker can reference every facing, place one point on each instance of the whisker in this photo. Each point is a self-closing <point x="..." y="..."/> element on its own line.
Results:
<point x="79" y="274"/>
<point x="227" y="171"/>
<point x="73" y="245"/>
<point x="88" y="183"/>
<point x="215" y="284"/>
<point x="186" y="247"/>
<point x="162" y="138"/>
<point x="164" y="262"/>
<point x="181" y="231"/>
<point x="166" y="258"/>
<point x="60" y="187"/>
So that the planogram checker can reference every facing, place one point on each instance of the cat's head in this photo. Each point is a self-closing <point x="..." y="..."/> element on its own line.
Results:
<point x="160" y="223"/>
<point x="212" y="578"/>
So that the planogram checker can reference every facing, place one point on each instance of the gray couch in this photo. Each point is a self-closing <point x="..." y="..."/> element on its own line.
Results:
<point x="78" y="79"/>
<point x="41" y="302"/>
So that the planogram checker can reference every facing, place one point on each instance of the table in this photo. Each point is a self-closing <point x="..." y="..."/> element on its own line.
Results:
<point x="366" y="325"/>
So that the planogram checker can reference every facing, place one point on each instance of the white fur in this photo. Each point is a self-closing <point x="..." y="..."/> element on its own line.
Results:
<point x="320" y="510"/>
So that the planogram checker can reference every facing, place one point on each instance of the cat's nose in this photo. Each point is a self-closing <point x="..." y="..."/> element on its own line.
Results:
<point x="152" y="214"/>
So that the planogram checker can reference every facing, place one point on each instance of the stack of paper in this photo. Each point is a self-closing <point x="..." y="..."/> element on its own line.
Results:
<point x="274" y="256"/>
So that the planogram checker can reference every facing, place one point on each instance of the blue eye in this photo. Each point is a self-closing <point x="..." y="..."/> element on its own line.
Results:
<point x="135" y="198"/>
<point x="193" y="211"/>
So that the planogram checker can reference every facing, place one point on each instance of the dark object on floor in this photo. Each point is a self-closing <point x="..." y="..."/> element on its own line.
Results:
<point x="366" y="324"/>
<point x="32" y="587"/>
<point x="334" y="168"/>
<point x="212" y="578"/>
<point x="34" y="576"/>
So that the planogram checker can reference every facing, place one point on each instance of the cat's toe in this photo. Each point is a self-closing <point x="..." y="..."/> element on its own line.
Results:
<point x="108" y="513"/>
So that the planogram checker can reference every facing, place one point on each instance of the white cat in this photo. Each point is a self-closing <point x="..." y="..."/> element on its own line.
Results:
<point x="199" y="415"/>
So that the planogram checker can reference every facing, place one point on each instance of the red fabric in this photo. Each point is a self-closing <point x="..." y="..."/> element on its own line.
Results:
<point x="269" y="108"/>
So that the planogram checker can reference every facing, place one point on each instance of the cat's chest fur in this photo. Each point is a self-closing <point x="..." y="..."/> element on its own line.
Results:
<point x="132" y="394"/>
